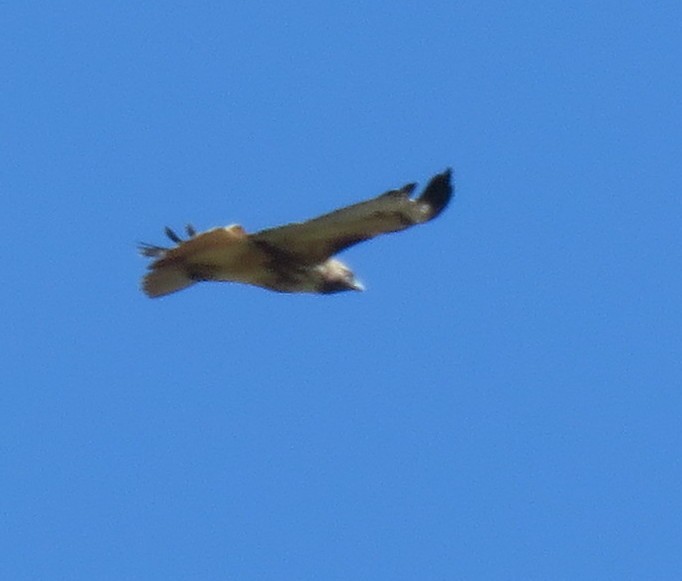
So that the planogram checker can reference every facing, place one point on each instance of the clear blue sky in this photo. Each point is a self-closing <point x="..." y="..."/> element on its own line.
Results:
<point x="504" y="401"/>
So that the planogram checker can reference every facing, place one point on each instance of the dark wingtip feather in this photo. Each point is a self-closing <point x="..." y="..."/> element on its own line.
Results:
<point x="438" y="192"/>
<point x="408" y="188"/>
<point x="172" y="235"/>
<point x="150" y="250"/>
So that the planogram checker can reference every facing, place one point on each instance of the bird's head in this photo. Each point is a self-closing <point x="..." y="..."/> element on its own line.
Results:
<point x="336" y="277"/>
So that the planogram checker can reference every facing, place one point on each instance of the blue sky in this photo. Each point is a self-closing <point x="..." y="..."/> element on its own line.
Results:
<point x="504" y="400"/>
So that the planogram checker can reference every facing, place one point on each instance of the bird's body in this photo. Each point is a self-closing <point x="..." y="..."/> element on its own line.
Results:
<point x="295" y="257"/>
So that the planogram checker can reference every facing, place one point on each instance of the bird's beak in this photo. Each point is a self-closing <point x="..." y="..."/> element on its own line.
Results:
<point x="357" y="285"/>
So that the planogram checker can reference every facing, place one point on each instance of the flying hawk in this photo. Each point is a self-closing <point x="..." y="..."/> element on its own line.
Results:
<point x="292" y="258"/>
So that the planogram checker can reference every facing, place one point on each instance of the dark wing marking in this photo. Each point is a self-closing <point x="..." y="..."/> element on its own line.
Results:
<point x="318" y="239"/>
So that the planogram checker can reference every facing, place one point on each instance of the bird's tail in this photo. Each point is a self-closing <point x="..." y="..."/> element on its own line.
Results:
<point x="165" y="280"/>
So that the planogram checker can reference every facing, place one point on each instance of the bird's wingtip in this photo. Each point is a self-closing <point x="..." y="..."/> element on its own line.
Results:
<point x="438" y="192"/>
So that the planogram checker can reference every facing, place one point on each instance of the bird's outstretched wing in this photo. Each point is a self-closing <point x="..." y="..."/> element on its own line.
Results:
<point x="198" y="258"/>
<point x="320" y="238"/>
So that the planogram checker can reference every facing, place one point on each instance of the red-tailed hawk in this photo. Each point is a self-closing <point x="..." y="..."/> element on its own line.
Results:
<point x="295" y="257"/>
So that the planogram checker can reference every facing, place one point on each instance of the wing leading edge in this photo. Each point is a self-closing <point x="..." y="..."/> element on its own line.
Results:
<point x="320" y="238"/>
